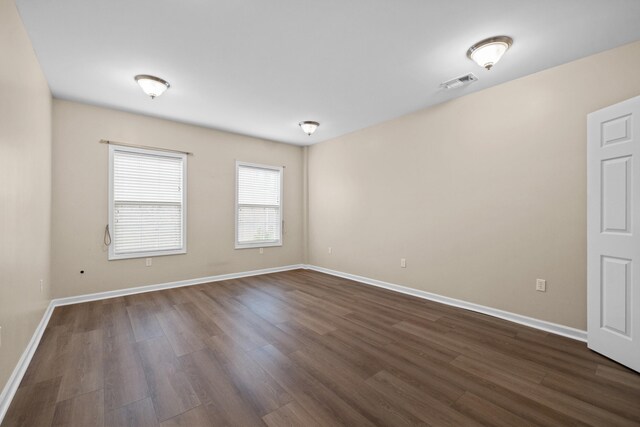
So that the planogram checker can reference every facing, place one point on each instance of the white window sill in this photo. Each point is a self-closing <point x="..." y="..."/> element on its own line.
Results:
<point x="257" y="245"/>
<point x="116" y="257"/>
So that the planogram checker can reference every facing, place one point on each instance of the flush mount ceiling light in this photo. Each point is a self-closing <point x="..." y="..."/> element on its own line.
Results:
<point x="152" y="85"/>
<point x="488" y="52"/>
<point x="308" y="126"/>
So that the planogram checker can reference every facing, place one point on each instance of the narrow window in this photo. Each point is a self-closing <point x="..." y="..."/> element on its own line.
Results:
<point x="258" y="205"/>
<point x="147" y="202"/>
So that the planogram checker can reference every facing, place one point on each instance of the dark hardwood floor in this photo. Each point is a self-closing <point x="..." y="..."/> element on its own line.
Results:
<point x="302" y="348"/>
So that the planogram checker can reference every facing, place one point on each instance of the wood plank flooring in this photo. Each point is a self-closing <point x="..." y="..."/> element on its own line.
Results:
<point x="302" y="348"/>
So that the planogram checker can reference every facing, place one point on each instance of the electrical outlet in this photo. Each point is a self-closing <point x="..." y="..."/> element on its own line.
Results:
<point x="149" y="262"/>
<point x="541" y="285"/>
<point x="330" y="250"/>
<point x="261" y="250"/>
<point x="41" y="286"/>
<point x="403" y="263"/>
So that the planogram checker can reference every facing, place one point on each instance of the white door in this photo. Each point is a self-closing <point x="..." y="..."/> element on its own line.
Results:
<point x="613" y="232"/>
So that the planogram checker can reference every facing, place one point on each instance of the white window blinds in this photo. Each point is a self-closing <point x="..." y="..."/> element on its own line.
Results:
<point x="259" y="205"/>
<point x="147" y="203"/>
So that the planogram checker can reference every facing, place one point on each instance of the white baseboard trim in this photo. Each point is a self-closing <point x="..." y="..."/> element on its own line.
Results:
<point x="21" y="368"/>
<point x="180" y="283"/>
<point x="12" y="384"/>
<point x="543" y="325"/>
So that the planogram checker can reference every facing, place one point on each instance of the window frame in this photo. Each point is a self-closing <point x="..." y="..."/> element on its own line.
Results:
<point x="279" y="242"/>
<point x="148" y="254"/>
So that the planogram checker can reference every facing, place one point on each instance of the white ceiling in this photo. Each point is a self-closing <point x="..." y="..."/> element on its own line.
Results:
<point x="259" y="67"/>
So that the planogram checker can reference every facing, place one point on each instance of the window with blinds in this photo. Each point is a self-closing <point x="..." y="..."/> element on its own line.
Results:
<point x="147" y="201"/>
<point x="259" y="205"/>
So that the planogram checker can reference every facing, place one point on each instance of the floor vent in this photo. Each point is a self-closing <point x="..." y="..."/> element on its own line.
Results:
<point x="459" y="81"/>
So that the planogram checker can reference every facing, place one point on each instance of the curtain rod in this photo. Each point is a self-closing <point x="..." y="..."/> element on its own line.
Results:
<point x="124" y="144"/>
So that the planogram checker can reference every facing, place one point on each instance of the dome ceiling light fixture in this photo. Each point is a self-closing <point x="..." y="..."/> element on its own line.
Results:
<point x="309" y="126"/>
<point x="487" y="53"/>
<point x="152" y="85"/>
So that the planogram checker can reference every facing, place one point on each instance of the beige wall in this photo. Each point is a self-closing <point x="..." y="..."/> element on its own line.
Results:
<point x="481" y="195"/>
<point x="80" y="184"/>
<point x="25" y="189"/>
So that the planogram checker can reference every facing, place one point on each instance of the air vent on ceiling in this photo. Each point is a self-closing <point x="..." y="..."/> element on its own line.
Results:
<point x="459" y="82"/>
